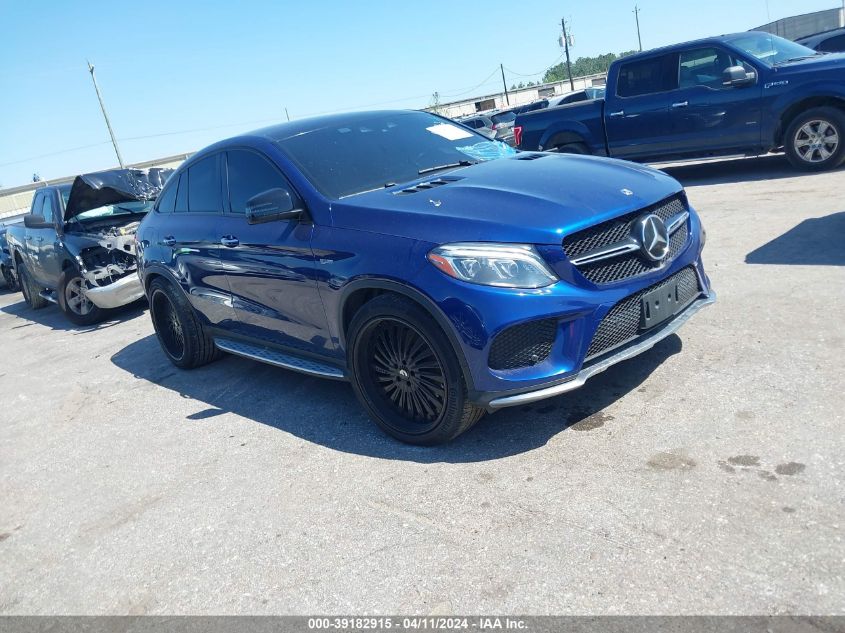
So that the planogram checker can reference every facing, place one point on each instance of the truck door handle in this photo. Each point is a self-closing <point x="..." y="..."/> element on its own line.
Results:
<point x="617" y="113"/>
<point x="230" y="241"/>
<point x="680" y="104"/>
<point x="168" y="241"/>
<point x="27" y="237"/>
<point x="39" y="239"/>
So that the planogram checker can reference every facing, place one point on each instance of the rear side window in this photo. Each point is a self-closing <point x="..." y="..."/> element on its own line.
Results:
<point x="647" y="76"/>
<point x="182" y="193"/>
<point x="250" y="174"/>
<point x="503" y="117"/>
<point x="167" y="199"/>
<point x="204" y="186"/>
<point x="832" y="45"/>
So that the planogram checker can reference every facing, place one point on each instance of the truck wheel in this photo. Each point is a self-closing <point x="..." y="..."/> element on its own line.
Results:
<point x="78" y="308"/>
<point x="814" y="140"/>
<point x="405" y="373"/>
<point x="573" y="148"/>
<point x="29" y="289"/>
<point x="11" y="279"/>
<point x="180" y="334"/>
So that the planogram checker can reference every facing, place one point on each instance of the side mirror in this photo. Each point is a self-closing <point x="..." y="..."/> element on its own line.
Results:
<point x="35" y="222"/>
<point x="736" y="76"/>
<point x="270" y="205"/>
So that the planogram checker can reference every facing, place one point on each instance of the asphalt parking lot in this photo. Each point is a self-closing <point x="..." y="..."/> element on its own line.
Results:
<point x="705" y="476"/>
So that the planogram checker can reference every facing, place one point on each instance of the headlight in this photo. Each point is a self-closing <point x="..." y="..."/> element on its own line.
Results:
<point x="505" y="265"/>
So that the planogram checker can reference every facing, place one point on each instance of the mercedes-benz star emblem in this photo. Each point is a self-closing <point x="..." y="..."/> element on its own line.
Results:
<point x="653" y="236"/>
<point x="627" y="192"/>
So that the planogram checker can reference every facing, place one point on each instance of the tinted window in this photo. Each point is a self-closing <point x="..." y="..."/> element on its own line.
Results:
<point x="249" y="175"/>
<point x="703" y="67"/>
<point x="167" y="199"/>
<point x="47" y="209"/>
<point x="833" y="45"/>
<point x="204" y="187"/>
<point x="646" y="77"/>
<point x="503" y="117"/>
<point x="365" y="152"/>
<point x="182" y="193"/>
<point x="575" y="97"/>
<point x="37" y="201"/>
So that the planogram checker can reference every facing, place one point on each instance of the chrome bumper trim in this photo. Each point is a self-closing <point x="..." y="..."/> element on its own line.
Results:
<point x="122" y="292"/>
<point x="588" y="372"/>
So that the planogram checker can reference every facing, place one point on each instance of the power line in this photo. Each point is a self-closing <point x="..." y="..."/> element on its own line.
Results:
<point x="513" y="72"/>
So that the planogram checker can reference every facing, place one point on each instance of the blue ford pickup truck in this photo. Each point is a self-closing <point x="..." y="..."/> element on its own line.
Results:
<point x="748" y="93"/>
<point x="441" y="273"/>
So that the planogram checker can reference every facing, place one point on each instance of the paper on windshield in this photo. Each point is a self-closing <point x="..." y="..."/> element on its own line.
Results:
<point x="449" y="132"/>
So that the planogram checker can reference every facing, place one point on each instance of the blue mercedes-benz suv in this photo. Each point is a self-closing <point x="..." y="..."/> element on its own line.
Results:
<point x="441" y="273"/>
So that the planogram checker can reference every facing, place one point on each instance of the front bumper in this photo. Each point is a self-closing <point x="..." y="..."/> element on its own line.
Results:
<point x="638" y="346"/>
<point x="122" y="292"/>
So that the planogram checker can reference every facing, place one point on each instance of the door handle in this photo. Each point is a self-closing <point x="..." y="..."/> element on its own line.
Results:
<point x="680" y="104"/>
<point x="617" y="113"/>
<point x="27" y="237"/>
<point x="229" y="241"/>
<point x="39" y="239"/>
<point x="168" y="241"/>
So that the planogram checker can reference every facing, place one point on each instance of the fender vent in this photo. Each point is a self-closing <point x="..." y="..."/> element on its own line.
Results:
<point x="425" y="186"/>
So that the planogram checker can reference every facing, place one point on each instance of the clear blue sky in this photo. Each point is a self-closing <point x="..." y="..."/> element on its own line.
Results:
<point x="180" y="74"/>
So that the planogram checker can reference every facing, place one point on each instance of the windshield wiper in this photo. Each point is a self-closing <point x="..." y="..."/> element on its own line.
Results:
<point x="796" y="59"/>
<point x="460" y="163"/>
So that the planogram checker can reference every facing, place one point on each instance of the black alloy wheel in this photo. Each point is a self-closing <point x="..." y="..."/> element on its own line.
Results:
<point x="406" y="373"/>
<point x="167" y="325"/>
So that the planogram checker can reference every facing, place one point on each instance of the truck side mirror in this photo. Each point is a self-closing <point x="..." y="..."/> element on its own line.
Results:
<point x="737" y="76"/>
<point x="273" y="204"/>
<point x="31" y="221"/>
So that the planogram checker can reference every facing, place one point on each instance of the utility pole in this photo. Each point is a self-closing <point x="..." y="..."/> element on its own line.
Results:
<point x="286" y="114"/>
<point x="504" y="85"/>
<point x="105" y="115"/>
<point x="637" y="18"/>
<point x="566" y="50"/>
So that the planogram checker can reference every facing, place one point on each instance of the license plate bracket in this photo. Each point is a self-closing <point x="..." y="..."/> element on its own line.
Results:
<point x="658" y="305"/>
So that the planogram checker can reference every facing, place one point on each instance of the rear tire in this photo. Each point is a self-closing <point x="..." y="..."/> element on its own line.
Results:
<point x="78" y="308"/>
<point x="11" y="278"/>
<point x="29" y="289"/>
<point x="815" y="139"/>
<point x="180" y="333"/>
<point x="405" y="373"/>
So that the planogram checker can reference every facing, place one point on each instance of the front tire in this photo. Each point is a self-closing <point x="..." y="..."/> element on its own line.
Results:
<point x="78" y="308"/>
<point x="180" y="333"/>
<point x="814" y="140"/>
<point x="405" y="373"/>
<point x="29" y="289"/>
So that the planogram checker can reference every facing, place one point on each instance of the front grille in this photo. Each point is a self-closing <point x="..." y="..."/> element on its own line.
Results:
<point x="622" y="322"/>
<point x="523" y="345"/>
<point x="631" y="264"/>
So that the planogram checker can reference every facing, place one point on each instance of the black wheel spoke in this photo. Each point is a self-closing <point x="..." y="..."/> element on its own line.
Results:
<point x="406" y="373"/>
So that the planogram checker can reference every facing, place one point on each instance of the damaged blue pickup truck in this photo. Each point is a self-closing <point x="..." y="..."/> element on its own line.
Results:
<point x="76" y="247"/>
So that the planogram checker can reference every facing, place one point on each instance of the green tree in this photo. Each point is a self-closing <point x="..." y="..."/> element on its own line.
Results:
<point x="583" y="66"/>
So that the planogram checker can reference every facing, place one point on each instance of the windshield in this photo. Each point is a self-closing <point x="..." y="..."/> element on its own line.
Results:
<point x="64" y="191"/>
<point x="770" y="49"/>
<point x="385" y="149"/>
<point x="134" y="207"/>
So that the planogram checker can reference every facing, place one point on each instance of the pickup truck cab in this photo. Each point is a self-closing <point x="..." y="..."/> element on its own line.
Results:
<point x="76" y="247"/>
<point x="744" y="94"/>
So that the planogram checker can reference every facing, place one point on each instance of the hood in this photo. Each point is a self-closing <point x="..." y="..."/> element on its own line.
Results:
<point x="102" y="188"/>
<point x="828" y="61"/>
<point x="534" y="198"/>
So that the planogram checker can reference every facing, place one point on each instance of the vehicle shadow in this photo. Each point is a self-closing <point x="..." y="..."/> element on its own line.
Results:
<point x="51" y="316"/>
<point x="732" y="171"/>
<point x="326" y="412"/>
<point x="813" y="242"/>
